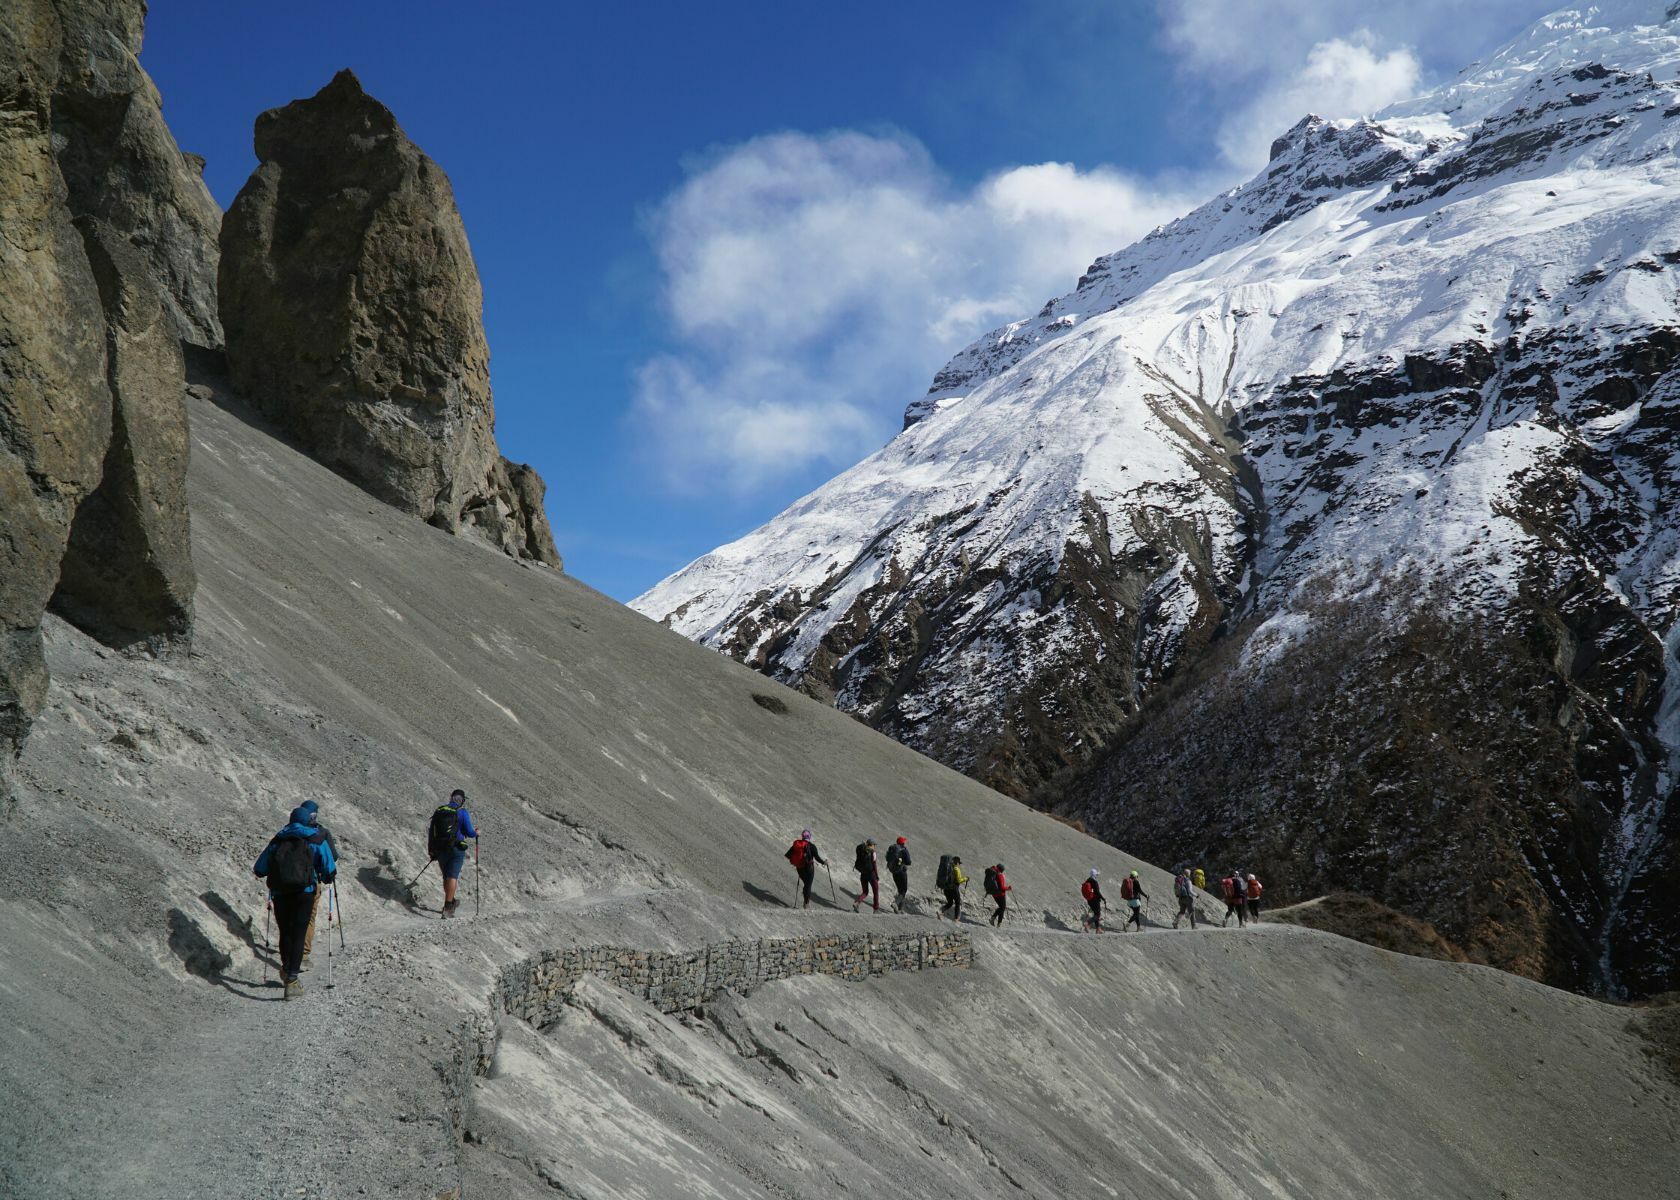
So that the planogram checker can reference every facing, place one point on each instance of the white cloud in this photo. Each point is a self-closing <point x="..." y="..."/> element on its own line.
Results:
<point x="1268" y="65"/>
<point x="1340" y="78"/>
<point x="815" y="283"/>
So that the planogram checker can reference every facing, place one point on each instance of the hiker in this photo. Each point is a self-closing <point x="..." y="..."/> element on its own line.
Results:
<point x="1091" y="889"/>
<point x="1199" y="878"/>
<point x="953" y="878"/>
<point x="324" y="834"/>
<point x="1233" y="894"/>
<point x="446" y="841"/>
<point x="898" y="862"/>
<point x="869" y="874"/>
<point x="804" y="856"/>
<point x="1185" y="889"/>
<point x="293" y="862"/>
<point x="1131" y="891"/>
<point x="1254" y="890"/>
<point x="997" y="887"/>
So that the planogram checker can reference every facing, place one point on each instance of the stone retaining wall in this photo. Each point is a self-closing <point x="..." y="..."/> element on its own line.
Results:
<point x="535" y="990"/>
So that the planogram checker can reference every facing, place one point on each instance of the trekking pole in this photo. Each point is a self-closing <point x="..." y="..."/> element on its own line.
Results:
<point x="268" y="913"/>
<point x="340" y="909"/>
<point x="833" y="895"/>
<point x="475" y="877"/>
<point x="423" y="870"/>
<point x="329" y="937"/>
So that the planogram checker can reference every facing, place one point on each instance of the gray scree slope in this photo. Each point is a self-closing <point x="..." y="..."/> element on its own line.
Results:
<point x="633" y="793"/>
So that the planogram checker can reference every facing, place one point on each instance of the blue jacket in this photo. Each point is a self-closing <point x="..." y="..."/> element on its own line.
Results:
<point x="467" y="830"/>
<point x="326" y="866"/>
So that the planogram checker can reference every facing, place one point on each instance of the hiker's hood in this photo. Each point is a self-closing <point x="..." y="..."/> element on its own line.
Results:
<point x="302" y="816"/>
<point x="297" y="828"/>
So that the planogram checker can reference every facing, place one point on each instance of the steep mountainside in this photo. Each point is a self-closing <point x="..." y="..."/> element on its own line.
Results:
<point x="1436" y="346"/>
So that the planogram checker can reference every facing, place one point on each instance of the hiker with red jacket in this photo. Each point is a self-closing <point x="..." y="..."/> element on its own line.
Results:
<point x="869" y="874"/>
<point x="997" y="887"/>
<point x="804" y="856"/>
<point x="1131" y="891"/>
<point x="1254" y="891"/>
<point x="1232" y="890"/>
<point x="1092" y="891"/>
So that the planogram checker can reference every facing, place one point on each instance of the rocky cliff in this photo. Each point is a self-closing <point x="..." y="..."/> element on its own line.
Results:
<point x="1436" y="345"/>
<point x="353" y="316"/>
<point x="93" y="441"/>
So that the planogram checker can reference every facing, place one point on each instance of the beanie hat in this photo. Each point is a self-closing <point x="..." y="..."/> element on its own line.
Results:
<point x="302" y="816"/>
<point x="310" y="805"/>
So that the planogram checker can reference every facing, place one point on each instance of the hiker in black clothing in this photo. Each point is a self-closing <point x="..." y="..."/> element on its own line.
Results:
<point x="294" y="862"/>
<point x="898" y="862"/>
<point x="804" y="856"/>
<point x="869" y="874"/>
<point x="1092" y="891"/>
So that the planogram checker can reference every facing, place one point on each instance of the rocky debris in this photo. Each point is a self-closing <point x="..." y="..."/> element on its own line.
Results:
<point x="122" y="164"/>
<point x="353" y="317"/>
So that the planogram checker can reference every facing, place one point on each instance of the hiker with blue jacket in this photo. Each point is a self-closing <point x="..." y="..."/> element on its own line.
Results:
<point x="446" y="839"/>
<point x="294" y="862"/>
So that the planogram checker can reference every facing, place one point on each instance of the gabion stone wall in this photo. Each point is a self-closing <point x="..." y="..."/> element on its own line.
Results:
<point x="535" y="990"/>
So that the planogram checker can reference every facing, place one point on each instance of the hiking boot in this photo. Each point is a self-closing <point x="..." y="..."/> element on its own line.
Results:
<point x="294" y="989"/>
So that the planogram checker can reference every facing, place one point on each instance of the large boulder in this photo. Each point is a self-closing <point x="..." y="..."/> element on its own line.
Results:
<point x="122" y="164"/>
<point x="353" y="317"/>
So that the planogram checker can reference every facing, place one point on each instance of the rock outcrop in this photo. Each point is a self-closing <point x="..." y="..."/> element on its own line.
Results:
<point x="122" y="165"/>
<point x="93" y="439"/>
<point x="353" y="317"/>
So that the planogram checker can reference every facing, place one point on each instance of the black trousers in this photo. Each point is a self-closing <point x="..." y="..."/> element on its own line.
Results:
<point x="901" y="881"/>
<point x="1002" y="907"/>
<point x="291" y="917"/>
<point x="1186" y="904"/>
<point x="1254" y="909"/>
<point x="1096" y="911"/>
<point x="807" y="874"/>
<point x="953" y="903"/>
<point x="1235" y="906"/>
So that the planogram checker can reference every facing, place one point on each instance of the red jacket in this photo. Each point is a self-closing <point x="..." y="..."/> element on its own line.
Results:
<point x="1003" y="884"/>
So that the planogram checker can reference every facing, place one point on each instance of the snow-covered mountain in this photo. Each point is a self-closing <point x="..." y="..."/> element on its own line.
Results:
<point x="1422" y="360"/>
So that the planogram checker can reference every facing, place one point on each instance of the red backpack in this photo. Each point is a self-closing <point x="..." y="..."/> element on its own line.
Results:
<point x="1128" y="888"/>
<point x="797" y="852"/>
<point x="1088" y="890"/>
<point x="1229" y="884"/>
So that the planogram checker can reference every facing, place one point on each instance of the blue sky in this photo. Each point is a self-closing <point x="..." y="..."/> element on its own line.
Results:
<point x="723" y="245"/>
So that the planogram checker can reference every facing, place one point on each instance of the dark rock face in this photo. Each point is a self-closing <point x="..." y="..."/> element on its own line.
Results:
<point x="128" y="571"/>
<point x="92" y="424"/>
<point x="353" y="317"/>
<point x="55" y="413"/>
<point x="122" y="165"/>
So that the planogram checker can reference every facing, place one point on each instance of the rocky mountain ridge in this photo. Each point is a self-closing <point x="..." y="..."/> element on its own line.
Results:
<point x="114" y="267"/>
<point x="1434" y="345"/>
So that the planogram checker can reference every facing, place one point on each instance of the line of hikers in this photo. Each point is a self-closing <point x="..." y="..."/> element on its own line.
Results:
<point x="1240" y="891"/>
<point x="303" y="856"/>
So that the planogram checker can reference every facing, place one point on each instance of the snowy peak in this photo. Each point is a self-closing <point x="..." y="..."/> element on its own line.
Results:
<point x="1438" y="345"/>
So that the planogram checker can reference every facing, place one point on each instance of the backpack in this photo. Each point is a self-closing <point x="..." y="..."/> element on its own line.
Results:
<point x="895" y="857"/>
<point x="1229" y="886"/>
<point x="291" y="868"/>
<point x="991" y="881"/>
<point x="442" y="833"/>
<point x="1088" y="889"/>
<point x="865" y="864"/>
<point x="798" y="852"/>
<point x="1128" y="888"/>
<point x="942" y="877"/>
<point x="1254" y="889"/>
<point x="1182" y="886"/>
